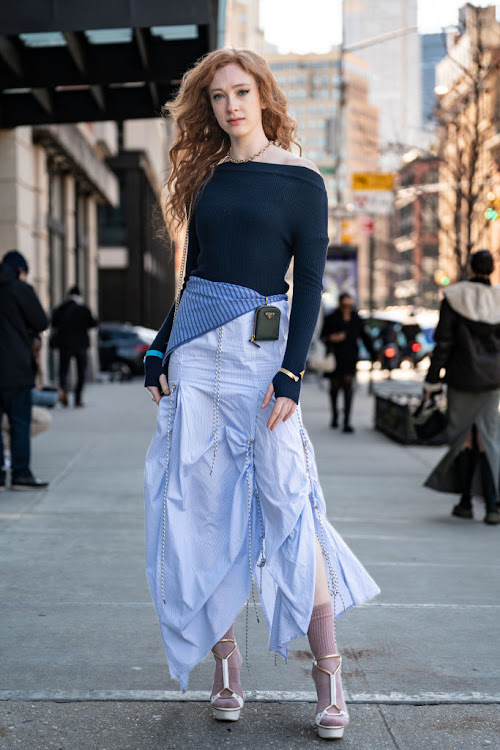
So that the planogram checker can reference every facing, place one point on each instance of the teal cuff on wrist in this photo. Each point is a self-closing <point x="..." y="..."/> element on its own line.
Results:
<point x="153" y="353"/>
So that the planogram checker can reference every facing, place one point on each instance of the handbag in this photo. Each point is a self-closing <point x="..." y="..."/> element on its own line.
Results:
<point x="321" y="361"/>
<point x="429" y="419"/>
<point x="266" y="324"/>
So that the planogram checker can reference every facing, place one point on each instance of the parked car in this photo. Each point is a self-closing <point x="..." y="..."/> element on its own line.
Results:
<point x="122" y="348"/>
<point x="399" y="338"/>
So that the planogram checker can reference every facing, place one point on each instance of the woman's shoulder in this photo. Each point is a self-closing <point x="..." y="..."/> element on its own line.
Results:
<point x="281" y="156"/>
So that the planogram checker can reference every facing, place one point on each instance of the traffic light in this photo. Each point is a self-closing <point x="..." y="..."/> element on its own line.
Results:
<point x="493" y="210"/>
<point x="441" y="278"/>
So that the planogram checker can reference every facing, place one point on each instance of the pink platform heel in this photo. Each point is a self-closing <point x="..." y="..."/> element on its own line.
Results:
<point x="332" y="720"/>
<point x="227" y="695"/>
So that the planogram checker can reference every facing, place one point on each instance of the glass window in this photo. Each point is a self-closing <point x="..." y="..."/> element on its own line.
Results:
<point x="112" y="223"/>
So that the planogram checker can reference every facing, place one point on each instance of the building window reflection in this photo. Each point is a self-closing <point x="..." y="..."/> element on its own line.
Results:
<point x="57" y="234"/>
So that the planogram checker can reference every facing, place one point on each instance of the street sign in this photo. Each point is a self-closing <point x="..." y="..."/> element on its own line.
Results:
<point x="367" y="225"/>
<point x="375" y="202"/>
<point x="372" y="181"/>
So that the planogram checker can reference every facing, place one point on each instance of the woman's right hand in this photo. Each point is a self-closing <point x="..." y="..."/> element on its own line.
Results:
<point x="338" y="337"/>
<point x="156" y="378"/>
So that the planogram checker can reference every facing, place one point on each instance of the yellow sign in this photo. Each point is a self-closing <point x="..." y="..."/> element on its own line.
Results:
<point x="372" y="181"/>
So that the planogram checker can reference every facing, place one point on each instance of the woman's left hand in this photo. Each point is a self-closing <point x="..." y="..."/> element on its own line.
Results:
<point x="283" y="408"/>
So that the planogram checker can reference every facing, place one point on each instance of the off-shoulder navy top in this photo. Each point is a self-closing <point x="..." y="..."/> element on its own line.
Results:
<point x="248" y="222"/>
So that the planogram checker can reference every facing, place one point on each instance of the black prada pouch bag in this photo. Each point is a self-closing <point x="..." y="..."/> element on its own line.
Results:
<point x="266" y="324"/>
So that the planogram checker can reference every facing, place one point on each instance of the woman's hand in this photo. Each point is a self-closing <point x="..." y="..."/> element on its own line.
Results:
<point x="156" y="378"/>
<point x="283" y="408"/>
<point x="336" y="338"/>
<point x="156" y="393"/>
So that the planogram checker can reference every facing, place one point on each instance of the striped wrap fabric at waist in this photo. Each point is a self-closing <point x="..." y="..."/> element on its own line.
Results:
<point x="206" y="305"/>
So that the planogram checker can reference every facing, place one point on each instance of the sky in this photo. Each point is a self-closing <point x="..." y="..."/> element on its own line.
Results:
<point x="286" y="23"/>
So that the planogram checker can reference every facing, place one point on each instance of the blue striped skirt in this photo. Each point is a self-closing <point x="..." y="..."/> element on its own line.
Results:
<point x="231" y="505"/>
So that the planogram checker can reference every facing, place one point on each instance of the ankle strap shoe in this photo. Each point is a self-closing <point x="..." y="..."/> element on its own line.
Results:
<point x="226" y="714"/>
<point x="333" y="730"/>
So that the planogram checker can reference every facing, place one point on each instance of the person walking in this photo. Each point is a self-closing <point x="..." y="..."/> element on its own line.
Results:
<point x="341" y="332"/>
<point x="468" y="349"/>
<point x="71" y="322"/>
<point x="232" y="495"/>
<point x="21" y="318"/>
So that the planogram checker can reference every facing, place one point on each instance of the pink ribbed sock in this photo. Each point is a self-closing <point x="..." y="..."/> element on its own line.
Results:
<point x="235" y="662"/>
<point x="321" y="636"/>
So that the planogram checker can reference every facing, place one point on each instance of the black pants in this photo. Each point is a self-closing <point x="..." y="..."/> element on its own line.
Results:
<point x="65" y="356"/>
<point x="16" y="404"/>
<point x="342" y="381"/>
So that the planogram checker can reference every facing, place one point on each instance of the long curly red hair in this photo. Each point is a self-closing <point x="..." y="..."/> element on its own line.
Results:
<point x="200" y="143"/>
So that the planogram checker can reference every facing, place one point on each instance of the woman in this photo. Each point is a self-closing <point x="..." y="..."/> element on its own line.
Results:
<point x="341" y="331"/>
<point x="232" y="491"/>
<point x="468" y="348"/>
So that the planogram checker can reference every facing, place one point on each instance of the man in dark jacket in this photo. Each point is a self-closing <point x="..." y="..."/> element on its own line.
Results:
<point x="341" y="331"/>
<point x="21" y="318"/>
<point x="71" y="322"/>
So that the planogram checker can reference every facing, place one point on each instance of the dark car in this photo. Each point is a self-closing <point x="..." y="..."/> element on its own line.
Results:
<point x="400" y="340"/>
<point x="122" y="348"/>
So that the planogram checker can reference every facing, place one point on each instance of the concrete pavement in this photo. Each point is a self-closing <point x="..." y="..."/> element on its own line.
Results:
<point x="82" y="661"/>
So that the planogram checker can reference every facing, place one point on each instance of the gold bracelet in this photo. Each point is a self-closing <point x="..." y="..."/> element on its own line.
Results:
<point x="291" y="375"/>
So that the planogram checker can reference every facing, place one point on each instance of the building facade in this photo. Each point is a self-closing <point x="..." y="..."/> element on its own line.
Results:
<point x="52" y="180"/>
<point x="136" y="263"/>
<point x="394" y="69"/>
<point x="468" y="82"/>
<point x="312" y="84"/>
<point x="242" y="29"/>
<point x="415" y="232"/>
<point x="432" y="52"/>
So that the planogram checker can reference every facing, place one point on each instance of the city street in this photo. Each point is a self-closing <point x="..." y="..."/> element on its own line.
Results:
<point x="83" y="663"/>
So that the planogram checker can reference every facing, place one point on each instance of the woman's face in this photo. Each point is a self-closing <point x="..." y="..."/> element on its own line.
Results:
<point x="236" y="101"/>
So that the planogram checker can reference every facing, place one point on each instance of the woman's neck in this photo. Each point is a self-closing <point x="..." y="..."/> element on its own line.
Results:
<point x="249" y="146"/>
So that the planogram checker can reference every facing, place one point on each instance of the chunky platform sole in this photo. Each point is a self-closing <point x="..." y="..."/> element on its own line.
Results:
<point x="330" y="733"/>
<point x="226" y="714"/>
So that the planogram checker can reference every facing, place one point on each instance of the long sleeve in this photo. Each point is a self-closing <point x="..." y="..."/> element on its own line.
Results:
<point x="310" y="246"/>
<point x="161" y="340"/>
<point x="330" y="325"/>
<point x="445" y="340"/>
<point x="31" y="309"/>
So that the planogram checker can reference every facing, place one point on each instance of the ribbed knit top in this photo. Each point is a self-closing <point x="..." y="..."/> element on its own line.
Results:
<point x="249" y="221"/>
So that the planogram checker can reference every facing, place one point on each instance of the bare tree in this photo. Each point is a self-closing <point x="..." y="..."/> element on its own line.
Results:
<point x="464" y="119"/>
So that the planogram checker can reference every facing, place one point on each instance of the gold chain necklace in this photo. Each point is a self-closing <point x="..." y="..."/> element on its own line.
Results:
<point x="242" y="161"/>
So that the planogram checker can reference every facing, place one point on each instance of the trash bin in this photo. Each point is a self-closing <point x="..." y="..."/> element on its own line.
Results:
<point x="394" y="417"/>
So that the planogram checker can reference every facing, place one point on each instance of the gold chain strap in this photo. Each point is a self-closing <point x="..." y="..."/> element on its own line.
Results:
<point x="183" y="261"/>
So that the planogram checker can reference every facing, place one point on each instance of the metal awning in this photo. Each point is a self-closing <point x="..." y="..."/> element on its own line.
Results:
<point x="64" y="62"/>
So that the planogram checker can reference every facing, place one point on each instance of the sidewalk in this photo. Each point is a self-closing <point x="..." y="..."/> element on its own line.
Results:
<point x="82" y="662"/>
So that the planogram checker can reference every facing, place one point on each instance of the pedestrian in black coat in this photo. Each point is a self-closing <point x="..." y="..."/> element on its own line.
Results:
<point x="467" y="359"/>
<point x="341" y="331"/>
<point x="21" y="318"/>
<point x="70" y="325"/>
